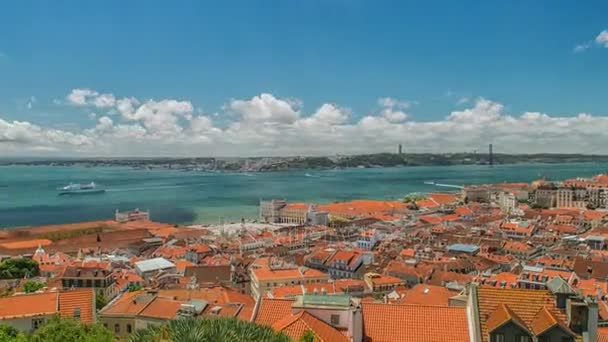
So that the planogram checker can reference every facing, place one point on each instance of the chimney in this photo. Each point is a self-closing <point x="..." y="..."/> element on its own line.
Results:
<point x="592" y="317"/>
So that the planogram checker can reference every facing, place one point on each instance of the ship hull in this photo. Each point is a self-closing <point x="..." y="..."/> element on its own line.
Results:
<point x="82" y="192"/>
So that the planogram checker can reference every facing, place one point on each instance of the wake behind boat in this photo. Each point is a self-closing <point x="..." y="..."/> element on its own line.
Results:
<point x="80" y="189"/>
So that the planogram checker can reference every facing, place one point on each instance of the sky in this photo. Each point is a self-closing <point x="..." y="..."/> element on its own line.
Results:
<point x="251" y="78"/>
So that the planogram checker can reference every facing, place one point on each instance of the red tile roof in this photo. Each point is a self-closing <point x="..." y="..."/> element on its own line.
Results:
<point x="82" y="300"/>
<point x="162" y="308"/>
<point x="414" y="323"/>
<point x="296" y="325"/>
<point x="423" y="294"/>
<point x="28" y="305"/>
<point x="525" y="304"/>
<point x="272" y="310"/>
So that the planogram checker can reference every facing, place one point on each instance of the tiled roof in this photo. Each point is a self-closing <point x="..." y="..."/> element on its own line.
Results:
<point x="28" y="305"/>
<point x="414" y="323"/>
<point x="82" y="300"/>
<point x="423" y="294"/>
<point x="602" y="334"/>
<point x="545" y="320"/>
<point x="296" y="325"/>
<point x="162" y="308"/>
<point x="26" y="244"/>
<point x="524" y="303"/>
<point x="131" y="303"/>
<point x="272" y="310"/>
<point x="502" y="315"/>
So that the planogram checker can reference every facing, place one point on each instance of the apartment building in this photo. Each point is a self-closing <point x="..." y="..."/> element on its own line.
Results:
<point x="266" y="274"/>
<point x="27" y="312"/>
<point x="95" y="277"/>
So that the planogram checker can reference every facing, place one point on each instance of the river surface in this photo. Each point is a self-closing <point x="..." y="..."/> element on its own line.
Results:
<point x="28" y="194"/>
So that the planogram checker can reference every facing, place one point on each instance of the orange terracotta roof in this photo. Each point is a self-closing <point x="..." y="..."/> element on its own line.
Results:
<point x="130" y="303"/>
<point x="28" y="305"/>
<point x="430" y="219"/>
<point x="297" y="290"/>
<point x="272" y="310"/>
<point x="408" y="253"/>
<point x="414" y="323"/>
<point x="524" y="303"/>
<point x="463" y="211"/>
<point x="181" y="265"/>
<point x="296" y="325"/>
<point x="594" y="215"/>
<point x="545" y="320"/>
<point x="423" y="294"/>
<point x="264" y="273"/>
<point x="380" y="279"/>
<point x="502" y="315"/>
<point x="26" y="244"/>
<point x="82" y="300"/>
<point x="602" y="334"/>
<point x="443" y="198"/>
<point x="427" y="203"/>
<point x="361" y="207"/>
<point x="162" y="308"/>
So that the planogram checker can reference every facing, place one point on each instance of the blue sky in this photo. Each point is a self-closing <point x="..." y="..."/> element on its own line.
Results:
<point x="429" y="54"/>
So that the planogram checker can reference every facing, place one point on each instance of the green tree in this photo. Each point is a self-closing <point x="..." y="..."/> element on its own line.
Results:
<point x="134" y="287"/>
<point x="10" y="334"/>
<point x="308" y="336"/>
<point x="69" y="330"/>
<point x="32" y="286"/>
<point x="19" y="268"/>
<point x="208" y="329"/>
<point x="100" y="301"/>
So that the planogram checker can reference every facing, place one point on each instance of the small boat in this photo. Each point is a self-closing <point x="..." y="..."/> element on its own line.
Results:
<point x="79" y="189"/>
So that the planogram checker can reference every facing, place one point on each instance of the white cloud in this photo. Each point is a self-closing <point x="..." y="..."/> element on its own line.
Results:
<point x="582" y="47"/>
<point x="602" y="39"/>
<point x="266" y="108"/>
<point x="270" y="125"/>
<point x="104" y="101"/>
<point x="104" y="123"/>
<point x="80" y="97"/>
<point x="393" y="109"/>
<point x="23" y="133"/>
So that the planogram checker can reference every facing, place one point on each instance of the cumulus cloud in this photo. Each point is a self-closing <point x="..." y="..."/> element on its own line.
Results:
<point x="600" y="40"/>
<point x="26" y="133"/>
<point x="393" y="109"/>
<point x="582" y="47"/>
<point x="269" y="125"/>
<point x="80" y="97"/>
<point x="265" y="108"/>
<point x="86" y="97"/>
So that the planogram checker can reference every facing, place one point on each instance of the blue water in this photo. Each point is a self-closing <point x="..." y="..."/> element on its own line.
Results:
<point x="28" y="194"/>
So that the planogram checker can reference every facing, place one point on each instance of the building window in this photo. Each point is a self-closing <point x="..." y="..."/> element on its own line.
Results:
<point x="117" y="328"/>
<point x="37" y="322"/>
<point x="498" y="338"/>
<point x="129" y="328"/>
<point x="77" y="313"/>
<point x="524" y="338"/>
<point x="335" y="319"/>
